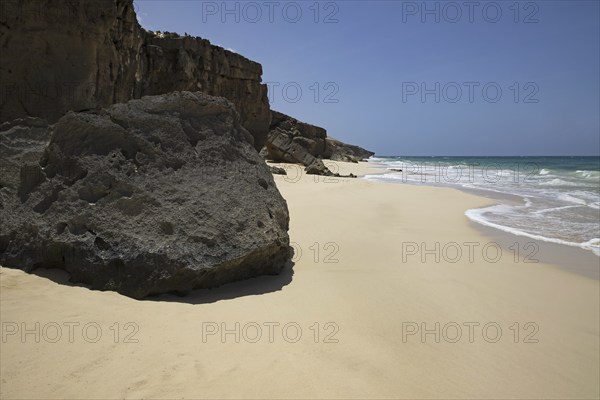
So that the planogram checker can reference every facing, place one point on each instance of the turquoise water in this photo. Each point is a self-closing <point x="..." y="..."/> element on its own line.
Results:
<point x="555" y="199"/>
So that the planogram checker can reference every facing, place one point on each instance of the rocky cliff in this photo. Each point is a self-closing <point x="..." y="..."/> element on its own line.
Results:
<point x="161" y="194"/>
<point x="340" y="151"/>
<point x="294" y="141"/>
<point x="310" y="137"/>
<point x="125" y="180"/>
<point x="87" y="54"/>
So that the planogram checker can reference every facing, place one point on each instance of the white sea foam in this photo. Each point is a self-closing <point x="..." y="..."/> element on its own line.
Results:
<point x="592" y="244"/>
<point x="553" y="209"/>
<point x="558" y="182"/>
<point x="588" y="174"/>
<point x="571" y="199"/>
<point x="560" y="204"/>
<point x="477" y="215"/>
<point x="595" y="205"/>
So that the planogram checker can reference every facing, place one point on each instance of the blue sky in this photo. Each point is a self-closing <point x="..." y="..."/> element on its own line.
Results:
<point x="415" y="78"/>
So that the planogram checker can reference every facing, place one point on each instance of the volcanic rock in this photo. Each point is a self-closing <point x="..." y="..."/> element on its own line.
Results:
<point x="339" y="151"/>
<point x="161" y="194"/>
<point x="93" y="53"/>
<point x="22" y="142"/>
<point x="293" y="141"/>
<point x="277" y="170"/>
<point x="283" y="147"/>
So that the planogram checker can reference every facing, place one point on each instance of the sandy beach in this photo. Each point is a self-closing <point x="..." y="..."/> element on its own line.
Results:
<point x="393" y="293"/>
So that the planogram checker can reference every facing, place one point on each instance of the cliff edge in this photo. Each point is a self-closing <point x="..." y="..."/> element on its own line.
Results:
<point x="89" y="54"/>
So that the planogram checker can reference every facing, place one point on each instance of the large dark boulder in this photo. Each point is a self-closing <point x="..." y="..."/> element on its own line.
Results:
<point x="161" y="194"/>
<point x="22" y="143"/>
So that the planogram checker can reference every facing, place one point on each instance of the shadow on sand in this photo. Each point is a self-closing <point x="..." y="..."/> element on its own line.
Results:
<point x="249" y="287"/>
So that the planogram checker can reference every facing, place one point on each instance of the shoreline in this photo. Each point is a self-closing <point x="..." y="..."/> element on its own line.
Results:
<point x="591" y="267"/>
<point x="357" y="308"/>
<point x="572" y="259"/>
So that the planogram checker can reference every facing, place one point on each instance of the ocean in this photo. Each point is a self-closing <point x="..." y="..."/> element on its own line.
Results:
<point x="554" y="199"/>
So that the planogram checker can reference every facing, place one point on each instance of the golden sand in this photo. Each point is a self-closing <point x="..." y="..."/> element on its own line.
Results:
<point x="348" y="323"/>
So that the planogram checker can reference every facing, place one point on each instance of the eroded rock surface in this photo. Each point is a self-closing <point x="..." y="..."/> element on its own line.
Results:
<point x="277" y="170"/>
<point x="294" y="141"/>
<point x="22" y="143"/>
<point x="282" y="147"/>
<point x="161" y="194"/>
<point x="340" y="151"/>
<point x="90" y="54"/>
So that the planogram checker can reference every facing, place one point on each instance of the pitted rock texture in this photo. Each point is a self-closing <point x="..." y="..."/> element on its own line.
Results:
<point x="161" y="194"/>
<point x="22" y="142"/>
<point x="77" y="55"/>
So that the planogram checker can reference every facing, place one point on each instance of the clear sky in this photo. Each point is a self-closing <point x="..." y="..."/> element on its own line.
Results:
<point x="415" y="78"/>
